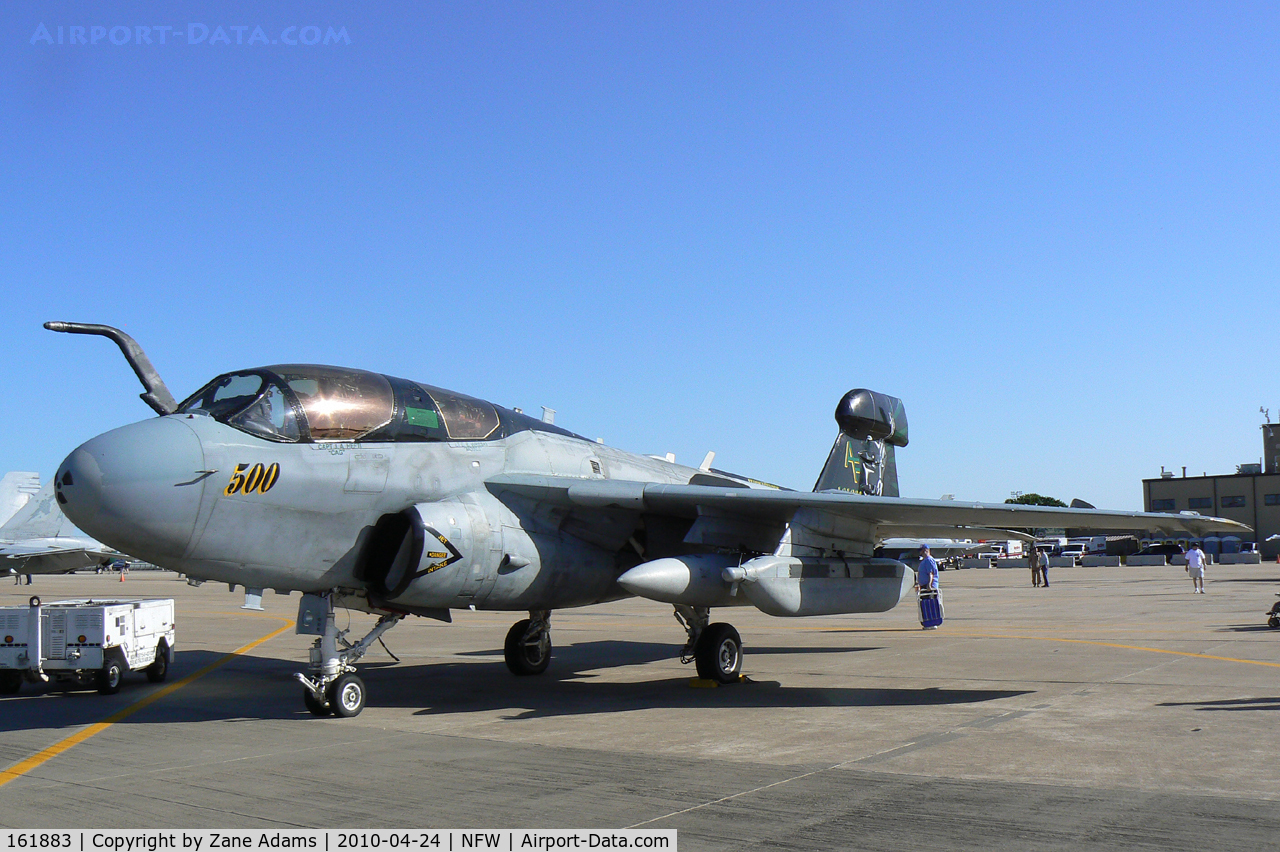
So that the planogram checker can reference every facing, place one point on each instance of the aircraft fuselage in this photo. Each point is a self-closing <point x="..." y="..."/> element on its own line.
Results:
<point x="192" y="494"/>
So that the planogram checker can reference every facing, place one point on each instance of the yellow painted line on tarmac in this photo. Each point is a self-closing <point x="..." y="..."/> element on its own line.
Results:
<point x="1123" y="647"/>
<point x="1055" y="639"/>
<point x="22" y="768"/>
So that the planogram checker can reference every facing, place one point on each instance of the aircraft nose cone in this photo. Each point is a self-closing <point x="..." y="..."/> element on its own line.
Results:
<point x="136" y="488"/>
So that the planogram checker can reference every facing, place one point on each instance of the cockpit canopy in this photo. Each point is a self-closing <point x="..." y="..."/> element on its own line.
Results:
<point x="302" y="403"/>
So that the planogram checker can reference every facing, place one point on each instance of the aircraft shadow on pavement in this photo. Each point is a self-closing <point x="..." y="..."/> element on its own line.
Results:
<point x="1228" y="705"/>
<point x="234" y="690"/>
<point x="458" y="689"/>
<point x="261" y="688"/>
<point x="572" y="685"/>
<point x="763" y="651"/>
<point x="610" y="653"/>
<point x="604" y="653"/>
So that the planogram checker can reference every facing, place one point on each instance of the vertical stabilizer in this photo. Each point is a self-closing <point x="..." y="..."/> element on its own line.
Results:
<point x="39" y="518"/>
<point x="16" y="488"/>
<point x="862" y="460"/>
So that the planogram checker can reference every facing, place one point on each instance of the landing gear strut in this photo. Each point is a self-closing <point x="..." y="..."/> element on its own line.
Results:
<point x="716" y="649"/>
<point x="333" y="686"/>
<point x="527" y="650"/>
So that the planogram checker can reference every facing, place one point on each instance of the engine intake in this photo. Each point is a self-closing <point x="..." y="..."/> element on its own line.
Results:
<point x="426" y="555"/>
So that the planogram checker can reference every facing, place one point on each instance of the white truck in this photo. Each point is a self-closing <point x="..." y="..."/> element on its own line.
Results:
<point x="89" y="642"/>
<point x="1000" y="548"/>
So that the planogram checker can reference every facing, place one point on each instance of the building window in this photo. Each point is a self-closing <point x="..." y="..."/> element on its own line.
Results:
<point x="1165" y="505"/>
<point x="1233" y="502"/>
<point x="1271" y="499"/>
<point x="1200" y="503"/>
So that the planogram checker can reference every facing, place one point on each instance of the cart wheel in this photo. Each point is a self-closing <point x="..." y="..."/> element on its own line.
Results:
<point x="109" y="677"/>
<point x="159" y="670"/>
<point x="1273" y="621"/>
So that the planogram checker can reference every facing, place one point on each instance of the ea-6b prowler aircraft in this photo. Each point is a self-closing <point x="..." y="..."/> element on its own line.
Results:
<point x="397" y="498"/>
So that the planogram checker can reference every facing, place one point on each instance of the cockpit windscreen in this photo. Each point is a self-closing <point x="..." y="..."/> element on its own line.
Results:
<point x="304" y="403"/>
<point x="298" y="403"/>
<point x="340" y="405"/>
<point x="253" y="402"/>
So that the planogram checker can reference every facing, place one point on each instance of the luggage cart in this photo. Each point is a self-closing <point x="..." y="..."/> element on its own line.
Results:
<point x="930" y="609"/>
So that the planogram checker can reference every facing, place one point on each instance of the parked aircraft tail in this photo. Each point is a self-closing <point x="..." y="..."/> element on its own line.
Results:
<point x="39" y="518"/>
<point x="16" y="488"/>
<point x="862" y="459"/>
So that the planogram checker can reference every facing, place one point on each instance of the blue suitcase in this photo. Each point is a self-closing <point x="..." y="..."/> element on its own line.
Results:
<point x="930" y="609"/>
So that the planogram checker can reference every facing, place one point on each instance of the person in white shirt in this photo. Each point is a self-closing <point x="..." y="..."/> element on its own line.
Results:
<point x="1195" y="568"/>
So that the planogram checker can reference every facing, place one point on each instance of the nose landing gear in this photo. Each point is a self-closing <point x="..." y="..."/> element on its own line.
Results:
<point x="333" y="686"/>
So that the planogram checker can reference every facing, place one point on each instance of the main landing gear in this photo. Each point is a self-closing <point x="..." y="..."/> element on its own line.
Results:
<point x="333" y="686"/>
<point x="527" y="650"/>
<point x="716" y="649"/>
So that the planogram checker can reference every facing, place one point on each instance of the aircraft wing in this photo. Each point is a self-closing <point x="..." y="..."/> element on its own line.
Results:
<point x="51" y="559"/>
<point x="841" y="510"/>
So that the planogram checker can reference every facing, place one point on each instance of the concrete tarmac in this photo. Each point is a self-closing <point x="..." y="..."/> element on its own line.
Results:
<point x="1114" y="709"/>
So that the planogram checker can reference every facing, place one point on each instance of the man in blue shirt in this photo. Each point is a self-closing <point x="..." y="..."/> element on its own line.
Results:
<point x="927" y="573"/>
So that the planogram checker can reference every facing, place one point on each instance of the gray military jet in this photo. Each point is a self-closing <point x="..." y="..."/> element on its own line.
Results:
<point x="376" y="493"/>
<point x="39" y="539"/>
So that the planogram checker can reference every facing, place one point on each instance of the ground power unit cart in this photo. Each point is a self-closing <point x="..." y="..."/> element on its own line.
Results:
<point x="87" y="642"/>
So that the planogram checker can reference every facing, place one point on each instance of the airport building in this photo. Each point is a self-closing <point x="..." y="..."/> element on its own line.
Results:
<point x="1251" y="495"/>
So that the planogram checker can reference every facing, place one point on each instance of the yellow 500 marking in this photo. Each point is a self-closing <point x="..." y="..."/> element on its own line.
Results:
<point x="247" y="480"/>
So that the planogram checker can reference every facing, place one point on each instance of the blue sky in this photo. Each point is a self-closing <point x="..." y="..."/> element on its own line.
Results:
<point x="1051" y="230"/>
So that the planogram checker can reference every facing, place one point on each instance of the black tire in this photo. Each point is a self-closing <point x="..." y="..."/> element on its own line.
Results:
<point x="317" y="706"/>
<point x="159" y="669"/>
<point x="10" y="681"/>
<point x="524" y="658"/>
<point x="718" y="654"/>
<point x="110" y="676"/>
<point x="1273" y="621"/>
<point x="346" y="695"/>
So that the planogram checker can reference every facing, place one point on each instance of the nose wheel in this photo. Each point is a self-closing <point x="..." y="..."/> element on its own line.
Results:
<point x="317" y="706"/>
<point x="346" y="695"/>
<point x="331" y="686"/>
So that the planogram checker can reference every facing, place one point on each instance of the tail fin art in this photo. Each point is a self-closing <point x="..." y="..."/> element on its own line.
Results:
<point x="862" y="460"/>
